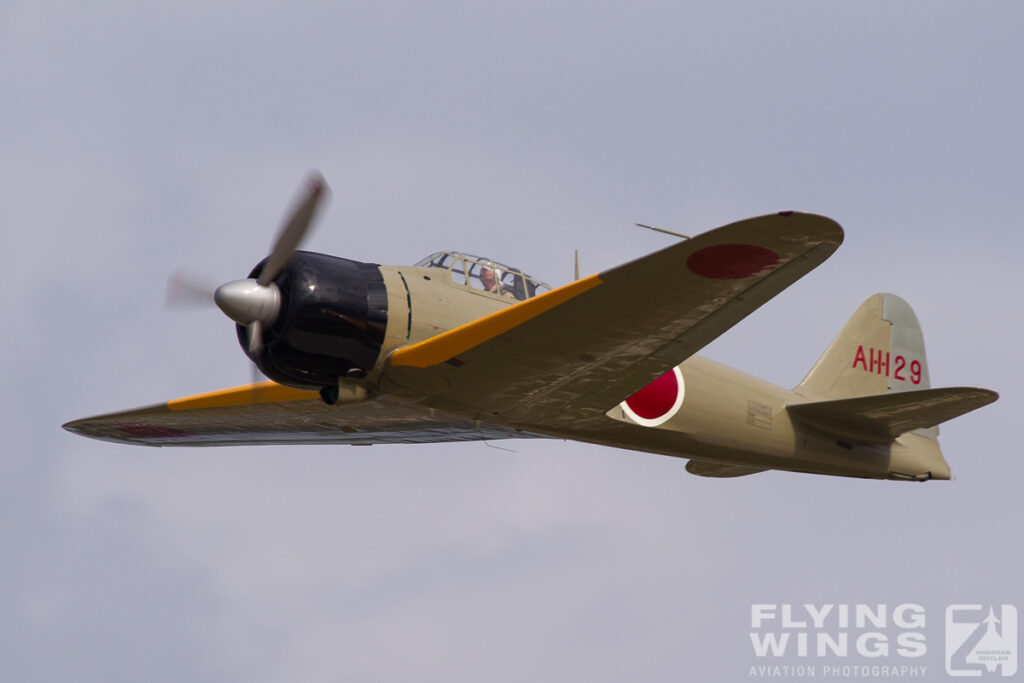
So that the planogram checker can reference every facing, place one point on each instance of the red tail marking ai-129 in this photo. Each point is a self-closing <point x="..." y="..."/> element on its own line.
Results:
<point x="882" y="363"/>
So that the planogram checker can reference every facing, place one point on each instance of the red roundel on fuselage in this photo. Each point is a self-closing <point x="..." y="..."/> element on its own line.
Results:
<point x="657" y="398"/>
<point x="732" y="261"/>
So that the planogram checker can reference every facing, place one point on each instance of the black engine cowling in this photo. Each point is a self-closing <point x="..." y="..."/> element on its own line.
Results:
<point x="332" y="321"/>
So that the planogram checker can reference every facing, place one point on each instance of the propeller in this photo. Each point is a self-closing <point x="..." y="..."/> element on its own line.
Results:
<point x="254" y="303"/>
<point x="187" y="289"/>
<point x="294" y="229"/>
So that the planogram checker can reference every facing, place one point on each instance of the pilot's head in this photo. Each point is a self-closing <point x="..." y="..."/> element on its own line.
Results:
<point x="487" y="279"/>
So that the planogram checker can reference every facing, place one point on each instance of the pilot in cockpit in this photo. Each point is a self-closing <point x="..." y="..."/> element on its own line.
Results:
<point x="491" y="283"/>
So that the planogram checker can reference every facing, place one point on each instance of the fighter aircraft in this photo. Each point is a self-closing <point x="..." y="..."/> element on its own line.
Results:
<point x="460" y="348"/>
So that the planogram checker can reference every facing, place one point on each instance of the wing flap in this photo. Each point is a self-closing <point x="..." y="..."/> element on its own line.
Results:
<point x="565" y="357"/>
<point x="884" y="417"/>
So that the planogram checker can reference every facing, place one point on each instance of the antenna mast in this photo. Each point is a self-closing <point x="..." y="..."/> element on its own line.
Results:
<point x="667" y="232"/>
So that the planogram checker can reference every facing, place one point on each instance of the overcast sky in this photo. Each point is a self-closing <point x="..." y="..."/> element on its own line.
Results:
<point x="142" y="138"/>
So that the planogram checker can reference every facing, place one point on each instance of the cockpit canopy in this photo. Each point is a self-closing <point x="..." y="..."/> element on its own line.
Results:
<point x="485" y="274"/>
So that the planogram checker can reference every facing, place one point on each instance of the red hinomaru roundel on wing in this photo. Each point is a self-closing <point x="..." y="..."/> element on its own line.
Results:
<point x="657" y="402"/>
<point x="732" y="261"/>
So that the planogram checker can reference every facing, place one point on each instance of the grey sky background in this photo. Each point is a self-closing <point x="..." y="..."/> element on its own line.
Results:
<point x="140" y="138"/>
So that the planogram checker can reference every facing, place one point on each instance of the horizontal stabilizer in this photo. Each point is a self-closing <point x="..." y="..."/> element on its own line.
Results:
<point x="712" y="469"/>
<point x="885" y="416"/>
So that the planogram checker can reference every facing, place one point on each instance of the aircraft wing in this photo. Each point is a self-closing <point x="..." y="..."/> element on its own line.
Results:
<point x="559" y="361"/>
<point x="269" y="413"/>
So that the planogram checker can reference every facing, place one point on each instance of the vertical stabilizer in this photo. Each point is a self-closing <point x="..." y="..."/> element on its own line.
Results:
<point x="879" y="350"/>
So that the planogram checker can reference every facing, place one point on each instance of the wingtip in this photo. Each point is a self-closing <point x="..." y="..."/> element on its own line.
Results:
<point x="84" y="426"/>
<point x="992" y="396"/>
<point x="830" y="229"/>
<point x="117" y="427"/>
<point x="831" y="224"/>
<point x="88" y="427"/>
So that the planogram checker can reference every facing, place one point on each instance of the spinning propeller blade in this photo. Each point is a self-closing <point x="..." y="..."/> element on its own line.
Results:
<point x="256" y="303"/>
<point x="254" y="332"/>
<point x="294" y="229"/>
<point x="185" y="289"/>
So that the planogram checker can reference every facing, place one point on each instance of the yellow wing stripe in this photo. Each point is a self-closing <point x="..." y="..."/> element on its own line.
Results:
<point x="453" y="342"/>
<point x="264" y="392"/>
